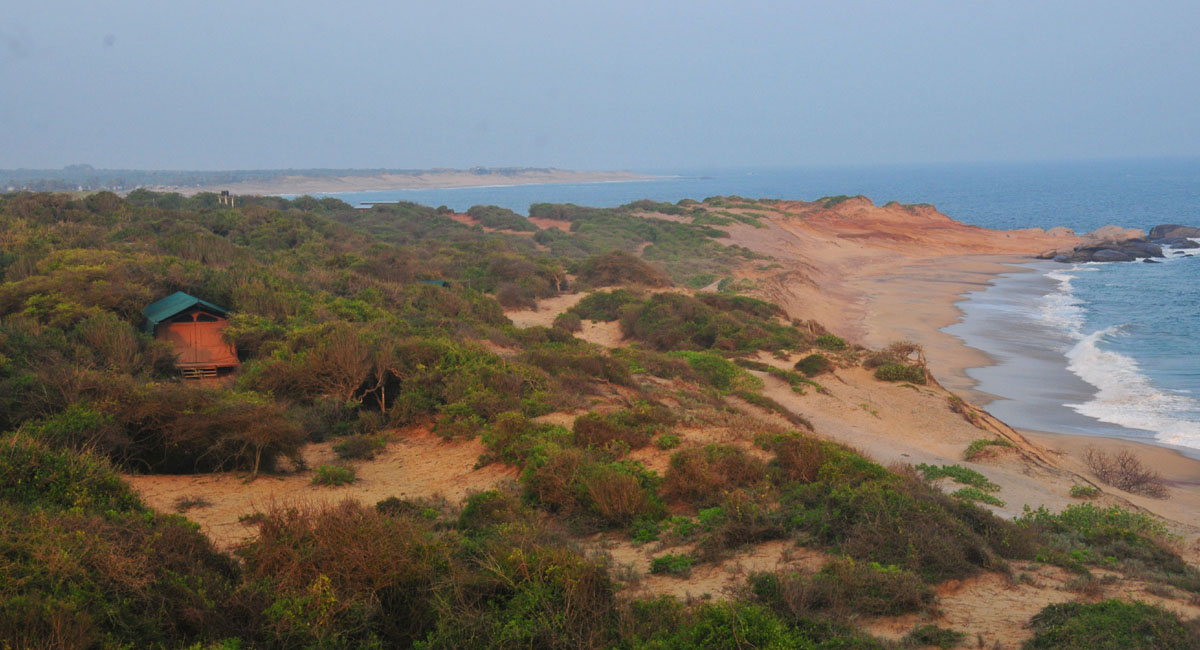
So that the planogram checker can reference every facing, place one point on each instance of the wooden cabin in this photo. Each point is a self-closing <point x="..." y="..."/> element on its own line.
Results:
<point x="194" y="328"/>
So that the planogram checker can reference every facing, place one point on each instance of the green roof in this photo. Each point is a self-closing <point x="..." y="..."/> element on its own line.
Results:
<point x="157" y="312"/>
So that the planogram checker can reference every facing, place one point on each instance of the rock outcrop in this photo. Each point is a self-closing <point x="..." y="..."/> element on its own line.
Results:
<point x="1111" y="244"/>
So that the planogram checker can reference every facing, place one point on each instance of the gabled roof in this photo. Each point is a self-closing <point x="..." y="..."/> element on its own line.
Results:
<point x="157" y="312"/>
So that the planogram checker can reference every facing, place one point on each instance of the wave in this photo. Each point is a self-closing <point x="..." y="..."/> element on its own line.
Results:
<point x="1127" y="397"/>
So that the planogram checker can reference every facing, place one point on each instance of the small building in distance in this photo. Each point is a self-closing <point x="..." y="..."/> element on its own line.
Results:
<point x="194" y="328"/>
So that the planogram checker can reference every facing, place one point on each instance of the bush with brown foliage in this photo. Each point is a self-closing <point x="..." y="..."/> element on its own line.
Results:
<point x="844" y="588"/>
<point x="616" y="268"/>
<point x="1124" y="470"/>
<point x="703" y="476"/>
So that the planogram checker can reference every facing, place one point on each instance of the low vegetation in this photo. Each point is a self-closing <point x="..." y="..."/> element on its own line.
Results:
<point x="1110" y="625"/>
<point x="1125" y="471"/>
<point x="982" y="446"/>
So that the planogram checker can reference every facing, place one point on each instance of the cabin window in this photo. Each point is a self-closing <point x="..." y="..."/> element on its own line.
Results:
<point x="205" y="318"/>
<point x="182" y="318"/>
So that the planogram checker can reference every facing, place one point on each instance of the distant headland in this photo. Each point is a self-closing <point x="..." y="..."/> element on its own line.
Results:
<point x="294" y="181"/>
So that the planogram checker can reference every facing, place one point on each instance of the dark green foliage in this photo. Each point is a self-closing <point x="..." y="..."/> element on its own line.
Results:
<point x="813" y="365"/>
<point x="1134" y="543"/>
<point x="964" y="475"/>
<point x="841" y="500"/>
<point x="333" y="475"/>
<point x="719" y="372"/>
<point x="86" y="578"/>
<point x="1110" y="625"/>
<point x="633" y="427"/>
<point x="360" y="446"/>
<point x="34" y="474"/>
<point x="568" y="321"/>
<point x="491" y="216"/>
<point x="831" y="342"/>
<point x="843" y="587"/>
<point x="900" y="372"/>
<point x="932" y="635"/>
<point x="605" y="305"/>
<point x="670" y="321"/>
<point x="677" y="565"/>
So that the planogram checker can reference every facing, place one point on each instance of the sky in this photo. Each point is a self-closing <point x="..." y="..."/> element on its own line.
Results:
<point x="643" y="84"/>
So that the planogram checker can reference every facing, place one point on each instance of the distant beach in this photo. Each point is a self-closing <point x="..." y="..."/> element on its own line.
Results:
<point x="294" y="185"/>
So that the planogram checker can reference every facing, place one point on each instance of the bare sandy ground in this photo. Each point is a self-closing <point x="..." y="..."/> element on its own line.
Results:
<point x="433" y="179"/>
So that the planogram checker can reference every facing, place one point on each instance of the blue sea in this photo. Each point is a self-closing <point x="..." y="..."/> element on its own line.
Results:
<point x="1100" y="349"/>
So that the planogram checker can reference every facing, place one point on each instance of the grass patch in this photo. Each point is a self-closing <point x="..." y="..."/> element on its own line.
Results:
<point x="831" y="342"/>
<point x="334" y="475"/>
<point x="972" y="493"/>
<point x="676" y="565"/>
<point x="964" y="475"/>
<point x="1079" y="491"/>
<point x="981" y="446"/>
<point x="901" y="372"/>
<point x="932" y="635"/>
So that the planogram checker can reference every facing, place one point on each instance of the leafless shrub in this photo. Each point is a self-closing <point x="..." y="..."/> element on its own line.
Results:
<point x="1126" y="471"/>
<point x="905" y="352"/>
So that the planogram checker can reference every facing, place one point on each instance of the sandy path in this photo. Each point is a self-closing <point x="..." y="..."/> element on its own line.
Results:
<point x="416" y="464"/>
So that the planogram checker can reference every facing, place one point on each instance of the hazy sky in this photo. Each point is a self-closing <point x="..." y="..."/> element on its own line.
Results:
<point x="640" y="84"/>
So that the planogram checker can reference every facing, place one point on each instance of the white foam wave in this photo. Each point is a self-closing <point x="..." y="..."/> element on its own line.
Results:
<point x="1128" y="398"/>
<point x="1062" y="309"/>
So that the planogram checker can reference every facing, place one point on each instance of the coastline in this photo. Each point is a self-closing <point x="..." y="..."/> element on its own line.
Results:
<point x="300" y="185"/>
<point x="936" y="288"/>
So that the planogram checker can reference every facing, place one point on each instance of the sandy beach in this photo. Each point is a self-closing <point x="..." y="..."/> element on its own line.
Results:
<point x="434" y="179"/>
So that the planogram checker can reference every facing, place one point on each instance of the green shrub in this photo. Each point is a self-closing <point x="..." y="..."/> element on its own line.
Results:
<point x="932" y="635"/>
<point x="360" y="446"/>
<point x="584" y="485"/>
<point x="334" y="475"/>
<point x="617" y="267"/>
<point x="964" y="475"/>
<point x="813" y="365"/>
<point x="844" y="587"/>
<point x="701" y="476"/>
<point x="677" y="565"/>
<point x="980" y="446"/>
<point x="831" y="342"/>
<point x="492" y="216"/>
<point x="605" y="306"/>
<point x="634" y="427"/>
<point x="972" y="493"/>
<point x="1080" y="491"/>
<point x="720" y="373"/>
<point x="667" y="441"/>
<point x="1110" y="625"/>
<point x="568" y="321"/>
<point x="900" y="372"/>
<point x="33" y="474"/>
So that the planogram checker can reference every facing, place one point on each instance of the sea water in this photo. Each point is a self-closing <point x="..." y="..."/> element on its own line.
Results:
<point x="1102" y="349"/>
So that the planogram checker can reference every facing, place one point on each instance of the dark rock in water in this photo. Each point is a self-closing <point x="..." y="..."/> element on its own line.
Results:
<point x="1110" y="255"/>
<point x="1176" y="242"/>
<point x="1063" y="259"/>
<point x="1170" y="230"/>
<point x="1150" y="261"/>
<point x="1141" y="249"/>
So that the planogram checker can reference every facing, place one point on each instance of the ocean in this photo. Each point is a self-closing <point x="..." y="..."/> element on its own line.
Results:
<point x="1098" y="349"/>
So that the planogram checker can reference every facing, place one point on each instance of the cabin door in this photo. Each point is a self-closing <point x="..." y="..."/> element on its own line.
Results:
<point x="182" y="335"/>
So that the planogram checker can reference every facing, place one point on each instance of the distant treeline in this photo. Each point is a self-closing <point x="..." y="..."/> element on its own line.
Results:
<point x="86" y="177"/>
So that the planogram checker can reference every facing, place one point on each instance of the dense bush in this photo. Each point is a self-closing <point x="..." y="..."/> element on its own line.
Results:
<point x="1110" y="625"/>
<point x="616" y="268"/>
<point x="900" y="372"/>
<point x="492" y="216"/>
<point x="702" y="476"/>
<point x="813" y="365"/>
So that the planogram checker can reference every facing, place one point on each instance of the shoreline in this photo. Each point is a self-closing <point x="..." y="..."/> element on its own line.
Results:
<point x="937" y="287"/>
<point x="299" y="185"/>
